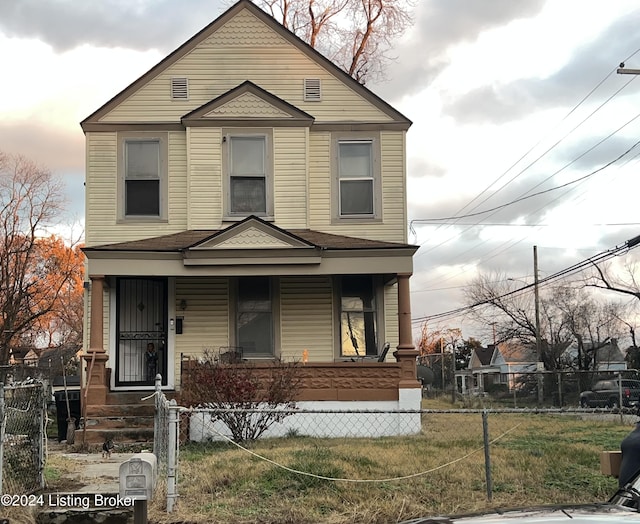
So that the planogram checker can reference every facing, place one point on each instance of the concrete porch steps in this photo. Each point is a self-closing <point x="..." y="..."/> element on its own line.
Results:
<point x="124" y="418"/>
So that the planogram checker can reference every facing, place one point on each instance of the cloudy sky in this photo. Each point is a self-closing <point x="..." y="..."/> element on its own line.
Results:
<point x="508" y="99"/>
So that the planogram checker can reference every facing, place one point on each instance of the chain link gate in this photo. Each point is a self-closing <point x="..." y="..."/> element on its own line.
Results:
<point x="22" y="437"/>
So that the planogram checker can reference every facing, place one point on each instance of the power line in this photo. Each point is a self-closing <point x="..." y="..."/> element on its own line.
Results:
<point x="526" y="197"/>
<point x="576" y="268"/>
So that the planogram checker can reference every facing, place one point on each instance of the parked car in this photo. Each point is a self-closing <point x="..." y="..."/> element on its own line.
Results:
<point x="606" y="393"/>
<point x="621" y="508"/>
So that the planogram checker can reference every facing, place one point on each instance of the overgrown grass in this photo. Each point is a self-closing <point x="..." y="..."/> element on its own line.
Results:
<point x="535" y="459"/>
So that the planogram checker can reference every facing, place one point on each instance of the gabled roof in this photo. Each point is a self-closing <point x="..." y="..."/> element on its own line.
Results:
<point x="287" y="35"/>
<point x="222" y="110"/>
<point x="513" y="352"/>
<point x="485" y="355"/>
<point x="199" y="239"/>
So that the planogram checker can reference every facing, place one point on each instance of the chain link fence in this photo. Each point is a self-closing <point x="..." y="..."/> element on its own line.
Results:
<point x="194" y="428"/>
<point x="23" y="410"/>
<point x="553" y="389"/>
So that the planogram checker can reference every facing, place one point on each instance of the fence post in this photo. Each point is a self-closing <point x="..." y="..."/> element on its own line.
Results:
<point x="2" y="424"/>
<point x="157" y="418"/>
<point x="172" y="445"/>
<point x="487" y="456"/>
<point x="42" y="432"/>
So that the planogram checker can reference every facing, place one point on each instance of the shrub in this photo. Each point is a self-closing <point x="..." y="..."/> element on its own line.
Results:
<point x="249" y="398"/>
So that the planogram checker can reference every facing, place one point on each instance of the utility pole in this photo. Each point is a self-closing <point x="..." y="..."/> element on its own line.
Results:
<point x="539" y="361"/>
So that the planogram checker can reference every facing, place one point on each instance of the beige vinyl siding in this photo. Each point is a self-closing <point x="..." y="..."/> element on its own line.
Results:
<point x="206" y="318"/>
<point x="319" y="181"/>
<point x="391" y="318"/>
<point x="244" y="49"/>
<point x="306" y="318"/>
<point x="178" y="196"/>
<point x="290" y="177"/>
<point x="393" y="225"/>
<point x="205" y="178"/>
<point x="101" y="185"/>
<point x="102" y="224"/>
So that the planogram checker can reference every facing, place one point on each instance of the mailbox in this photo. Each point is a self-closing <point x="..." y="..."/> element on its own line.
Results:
<point x="138" y="476"/>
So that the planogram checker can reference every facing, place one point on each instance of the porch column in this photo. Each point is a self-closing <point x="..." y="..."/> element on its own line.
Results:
<point x="406" y="352"/>
<point x="96" y="382"/>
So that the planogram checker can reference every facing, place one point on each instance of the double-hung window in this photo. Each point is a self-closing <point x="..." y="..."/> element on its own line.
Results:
<point x="356" y="174"/>
<point x="142" y="175"/>
<point x="142" y="178"/>
<point x="249" y="168"/>
<point x="355" y="159"/>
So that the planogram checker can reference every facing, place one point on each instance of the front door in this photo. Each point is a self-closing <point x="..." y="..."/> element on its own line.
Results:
<point x="141" y="316"/>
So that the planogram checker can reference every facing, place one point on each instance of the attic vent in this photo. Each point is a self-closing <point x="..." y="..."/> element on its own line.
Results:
<point x="312" y="91"/>
<point x="180" y="88"/>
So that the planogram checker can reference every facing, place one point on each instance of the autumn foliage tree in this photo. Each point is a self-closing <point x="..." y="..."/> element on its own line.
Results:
<point x="40" y="277"/>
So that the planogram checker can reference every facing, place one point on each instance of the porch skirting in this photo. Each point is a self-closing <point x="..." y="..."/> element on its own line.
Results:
<point x="329" y="419"/>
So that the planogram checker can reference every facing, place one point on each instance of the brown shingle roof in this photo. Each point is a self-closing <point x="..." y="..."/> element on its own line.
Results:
<point x="189" y="238"/>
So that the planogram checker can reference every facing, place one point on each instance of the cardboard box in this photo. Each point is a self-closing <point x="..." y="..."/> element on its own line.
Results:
<point x="610" y="463"/>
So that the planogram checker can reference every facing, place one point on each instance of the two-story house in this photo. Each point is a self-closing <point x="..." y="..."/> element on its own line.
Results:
<point x="246" y="193"/>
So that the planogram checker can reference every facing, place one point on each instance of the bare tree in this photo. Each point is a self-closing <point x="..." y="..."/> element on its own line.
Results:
<point x="355" y="34"/>
<point x="31" y="279"/>
<point x="625" y="281"/>
<point x="567" y="315"/>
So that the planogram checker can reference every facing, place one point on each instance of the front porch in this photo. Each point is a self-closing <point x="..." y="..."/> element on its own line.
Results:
<point x="327" y="301"/>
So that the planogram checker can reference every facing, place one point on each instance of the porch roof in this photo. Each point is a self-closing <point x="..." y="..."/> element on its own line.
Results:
<point x="185" y="240"/>
<point x="251" y="246"/>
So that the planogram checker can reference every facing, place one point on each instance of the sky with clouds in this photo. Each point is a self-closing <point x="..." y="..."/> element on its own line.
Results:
<point x="511" y="101"/>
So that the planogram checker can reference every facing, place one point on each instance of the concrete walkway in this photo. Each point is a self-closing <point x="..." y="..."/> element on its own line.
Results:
<point x="95" y="473"/>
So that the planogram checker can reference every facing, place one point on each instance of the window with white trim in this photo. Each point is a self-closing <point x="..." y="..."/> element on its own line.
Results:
<point x="143" y="173"/>
<point x="356" y="177"/>
<point x="356" y="184"/>
<point x="249" y="179"/>
<point x="142" y="178"/>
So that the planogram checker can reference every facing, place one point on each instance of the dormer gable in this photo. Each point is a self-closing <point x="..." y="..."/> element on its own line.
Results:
<point x="247" y="105"/>
<point x="251" y="233"/>
<point x="249" y="242"/>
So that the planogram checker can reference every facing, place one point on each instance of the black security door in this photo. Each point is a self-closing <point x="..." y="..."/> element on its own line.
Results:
<point x="141" y="325"/>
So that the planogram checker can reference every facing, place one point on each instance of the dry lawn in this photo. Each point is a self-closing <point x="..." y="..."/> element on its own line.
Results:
<point x="535" y="459"/>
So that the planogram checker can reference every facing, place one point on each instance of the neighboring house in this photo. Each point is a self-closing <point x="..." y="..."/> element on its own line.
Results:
<point x="246" y="193"/>
<point x="501" y="364"/>
<point x="608" y="357"/>
<point x="24" y="356"/>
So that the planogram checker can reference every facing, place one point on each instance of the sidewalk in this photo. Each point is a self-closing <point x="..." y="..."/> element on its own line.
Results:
<point x="94" y="473"/>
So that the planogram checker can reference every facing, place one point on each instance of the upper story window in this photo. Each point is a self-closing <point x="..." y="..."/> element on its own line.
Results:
<point x="249" y="177"/>
<point x="142" y="176"/>
<point x="357" y="184"/>
<point x="356" y="177"/>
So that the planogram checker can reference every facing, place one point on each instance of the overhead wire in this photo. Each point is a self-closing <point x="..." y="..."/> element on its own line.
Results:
<point x="524" y="196"/>
<point x="571" y="182"/>
<point x="571" y="270"/>
<point x="533" y="147"/>
<point x="510" y="245"/>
